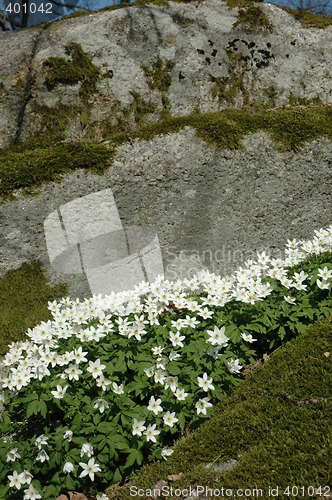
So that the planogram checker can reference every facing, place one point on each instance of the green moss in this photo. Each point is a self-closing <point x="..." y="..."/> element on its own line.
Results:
<point x="309" y="19"/>
<point x="241" y="4"/>
<point x="302" y="101"/>
<point x="52" y="125"/>
<point x="123" y="120"/>
<point x="70" y="72"/>
<point x="226" y="89"/>
<point x="53" y="122"/>
<point x="250" y="15"/>
<point x="159" y="74"/>
<point x="275" y="441"/>
<point x="30" y="168"/>
<point x="225" y="130"/>
<point x="289" y="128"/>
<point x="162" y="3"/>
<point x="141" y="108"/>
<point x="271" y="94"/>
<point x="254" y="18"/>
<point x="24" y="293"/>
<point x="117" y="123"/>
<point x="166" y="104"/>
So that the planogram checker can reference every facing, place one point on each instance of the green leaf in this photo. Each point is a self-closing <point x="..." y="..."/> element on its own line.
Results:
<point x="33" y="408"/>
<point x="96" y="418"/>
<point x="282" y="332"/>
<point x="42" y="408"/>
<point x="70" y="484"/>
<point x="117" y="476"/>
<point x="182" y="421"/>
<point x="120" y="442"/>
<point x="135" y="456"/>
<point x="174" y="368"/>
<point x="105" y="428"/>
<point x="30" y="397"/>
<point x="77" y="422"/>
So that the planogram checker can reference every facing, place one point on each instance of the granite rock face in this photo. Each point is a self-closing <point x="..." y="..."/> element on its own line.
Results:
<point x="211" y="209"/>
<point x="152" y="61"/>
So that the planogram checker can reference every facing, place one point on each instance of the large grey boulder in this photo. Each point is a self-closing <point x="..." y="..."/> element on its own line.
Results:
<point x="154" y="60"/>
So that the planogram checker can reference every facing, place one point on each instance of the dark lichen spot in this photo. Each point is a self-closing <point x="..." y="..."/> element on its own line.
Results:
<point x="181" y="20"/>
<point x="214" y="53"/>
<point x="181" y="76"/>
<point x="201" y="51"/>
<point x="2" y="89"/>
<point x="108" y="74"/>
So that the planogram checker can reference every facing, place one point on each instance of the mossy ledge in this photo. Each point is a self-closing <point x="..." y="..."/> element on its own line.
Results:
<point x="309" y="19"/>
<point x="274" y="441"/>
<point x="31" y="168"/>
<point x="289" y="128"/>
<point x="24" y="293"/>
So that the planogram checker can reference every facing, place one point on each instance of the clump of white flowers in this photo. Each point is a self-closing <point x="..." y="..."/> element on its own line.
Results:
<point x="110" y="381"/>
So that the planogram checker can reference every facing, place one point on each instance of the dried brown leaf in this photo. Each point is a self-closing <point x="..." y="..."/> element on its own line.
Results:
<point x="175" y="477"/>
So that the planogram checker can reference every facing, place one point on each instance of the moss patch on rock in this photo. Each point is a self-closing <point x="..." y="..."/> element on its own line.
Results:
<point x="24" y="294"/>
<point x="309" y="19"/>
<point x="159" y="74"/>
<point x="226" y="89"/>
<point x="141" y="108"/>
<point x="80" y="69"/>
<point x="52" y="124"/>
<point x="274" y="440"/>
<point x="290" y="128"/>
<point x="30" y="168"/>
<point x="254" y="18"/>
